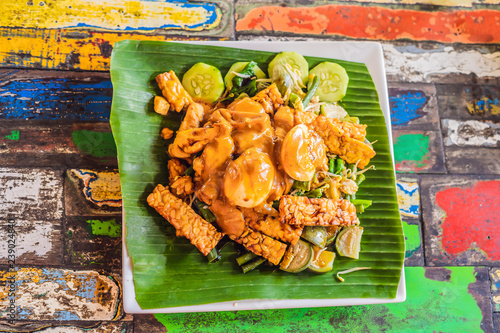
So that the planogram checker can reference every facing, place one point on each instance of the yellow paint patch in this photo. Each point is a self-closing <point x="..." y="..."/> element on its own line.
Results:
<point x="113" y="14"/>
<point x="101" y="188"/>
<point x="474" y="107"/>
<point x="63" y="49"/>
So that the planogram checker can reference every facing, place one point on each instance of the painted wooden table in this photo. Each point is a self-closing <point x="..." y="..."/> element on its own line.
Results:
<point x="60" y="193"/>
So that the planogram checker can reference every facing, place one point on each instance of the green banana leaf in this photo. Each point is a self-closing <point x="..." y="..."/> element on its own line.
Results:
<point x="168" y="271"/>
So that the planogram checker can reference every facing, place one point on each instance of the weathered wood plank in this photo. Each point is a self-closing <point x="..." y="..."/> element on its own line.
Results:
<point x="473" y="160"/>
<point x="373" y="22"/>
<point x="470" y="133"/>
<point x="119" y="15"/>
<point x="91" y="192"/>
<point x="31" y="194"/>
<point x="413" y="106"/>
<point x="408" y="196"/>
<point x="461" y="220"/>
<point x="60" y="294"/>
<point x="93" y="242"/>
<point x="496" y="322"/>
<point x="454" y="298"/>
<point x="45" y="37"/>
<point x="469" y="102"/>
<point x="418" y="151"/>
<point x="147" y="323"/>
<point x="55" y="95"/>
<point x="495" y="288"/>
<point x="31" y="242"/>
<point x="414" y="254"/>
<point x="67" y="327"/>
<point x="57" y="144"/>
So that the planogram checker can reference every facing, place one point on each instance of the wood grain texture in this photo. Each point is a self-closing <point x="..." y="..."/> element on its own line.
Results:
<point x="495" y="288"/>
<point x="93" y="243"/>
<point x="413" y="106"/>
<point x="414" y="254"/>
<point x="469" y="102"/>
<point x="372" y="23"/>
<point x="61" y="294"/>
<point x="92" y="192"/>
<point x="461" y="220"/>
<point x="418" y="151"/>
<point x="66" y="327"/>
<point x="407" y="188"/>
<point x="55" y="95"/>
<point x="472" y="160"/>
<point x="64" y="42"/>
<point x="31" y="194"/>
<point x="56" y="144"/>
<point x="35" y="242"/>
<point x="471" y="133"/>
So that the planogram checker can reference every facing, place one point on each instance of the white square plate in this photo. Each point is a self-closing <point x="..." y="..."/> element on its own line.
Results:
<point x="369" y="53"/>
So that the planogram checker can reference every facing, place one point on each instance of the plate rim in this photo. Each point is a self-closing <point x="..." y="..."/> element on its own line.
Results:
<point x="368" y="53"/>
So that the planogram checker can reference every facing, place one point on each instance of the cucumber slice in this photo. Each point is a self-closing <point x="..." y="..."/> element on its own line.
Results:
<point x="333" y="81"/>
<point x="204" y="82"/>
<point x="238" y="67"/>
<point x="297" y="61"/>
<point x="297" y="258"/>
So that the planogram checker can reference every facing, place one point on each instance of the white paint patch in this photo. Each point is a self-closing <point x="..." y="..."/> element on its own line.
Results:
<point x="43" y="294"/>
<point x="471" y="133"/>
<point x="31" y="237"/>
<point x="31" y="194"/>
<point x="414" y="67"/>
<point x="104" y="327"/>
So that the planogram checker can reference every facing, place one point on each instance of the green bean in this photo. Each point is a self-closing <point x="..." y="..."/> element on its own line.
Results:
<point x="339" y="166"/>
<point x="360" y="178"/>
<point x="252" y="265"/>
<point x="331" y="165"/>
<point x="293" y="100"/>
<point x="311" y="91"/>
<point x="204" y="211"/>
<point x="305" y="186"/>
<point x="213" y="255"/>
<point x="244" y="258"/>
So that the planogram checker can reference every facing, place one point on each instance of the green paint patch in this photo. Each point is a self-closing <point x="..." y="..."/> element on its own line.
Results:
<point x="412" y="238"/>
<point x="14" y="135"/>
<point x="98" y="144"/>
<point x="105" y="228"/>
<point x="448" y="308"/>
<point x="411" y="147"/>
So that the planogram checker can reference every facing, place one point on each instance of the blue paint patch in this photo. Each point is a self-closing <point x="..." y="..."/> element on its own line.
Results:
<point x="484" y="104"/>
<point x="409" y="192"/>
<point x="24" y="313"/>
<point x="65" y="315"/>
<point x="411" y="211"/>
<point x="406" y="105"/>
<point x="57" y="99"/>
<point x="211" y="18"/>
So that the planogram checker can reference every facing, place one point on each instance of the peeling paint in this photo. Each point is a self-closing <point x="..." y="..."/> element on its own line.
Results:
<point x="100" y="188"/>
<point x="471" y="133"/>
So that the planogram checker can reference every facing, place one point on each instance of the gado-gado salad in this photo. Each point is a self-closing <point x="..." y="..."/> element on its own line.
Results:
<point x="270" y="162"/>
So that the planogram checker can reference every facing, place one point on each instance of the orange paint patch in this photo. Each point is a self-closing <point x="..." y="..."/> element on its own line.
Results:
<point x="479" y="26"/>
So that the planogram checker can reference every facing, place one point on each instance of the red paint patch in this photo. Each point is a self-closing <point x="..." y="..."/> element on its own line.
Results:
<point x="464" y="26"/>
<point x="472" y="216"/>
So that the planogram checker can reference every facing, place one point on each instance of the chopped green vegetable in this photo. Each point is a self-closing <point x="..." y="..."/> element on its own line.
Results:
<point x="294" y="100"/>
<point x="252" y="265"/>
<point x="300" y="185"/>
<point x="240" y="67"/>
<point x="331" y="165"/>
<point x="339" y="166"/>
<point x="311" y="91"/>
<point x="244" y="258"/>
<point x="213" y="255"/>
<point x="204" y="211"/>
<point x="360" y="178"/>
<point x="189" y="171"/>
